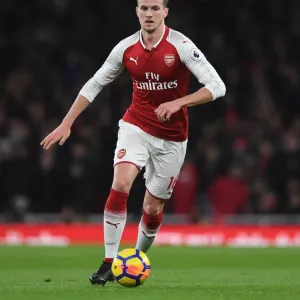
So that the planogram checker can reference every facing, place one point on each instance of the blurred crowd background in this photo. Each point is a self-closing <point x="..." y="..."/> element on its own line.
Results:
<point x="243" y="151"/>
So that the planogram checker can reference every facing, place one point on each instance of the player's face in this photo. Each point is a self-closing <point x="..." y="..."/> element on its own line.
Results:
<point x="151" y="14"/>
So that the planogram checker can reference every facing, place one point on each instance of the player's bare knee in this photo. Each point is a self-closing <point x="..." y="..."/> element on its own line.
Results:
<point x="124" y="175"/>
<point x="154" y="208"/>
<point x="122" y="185"/>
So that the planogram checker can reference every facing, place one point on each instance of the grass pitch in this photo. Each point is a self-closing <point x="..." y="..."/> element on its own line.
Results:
<point x="177" y="273"/>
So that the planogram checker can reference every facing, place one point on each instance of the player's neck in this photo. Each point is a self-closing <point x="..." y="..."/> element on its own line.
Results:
<point x="151" y="39"/>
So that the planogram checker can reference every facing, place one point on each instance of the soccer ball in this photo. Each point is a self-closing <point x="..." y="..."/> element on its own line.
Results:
<point x="131" y="267"/>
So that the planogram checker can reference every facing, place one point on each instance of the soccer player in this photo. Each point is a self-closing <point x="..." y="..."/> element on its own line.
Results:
<point x="154" y="130"/>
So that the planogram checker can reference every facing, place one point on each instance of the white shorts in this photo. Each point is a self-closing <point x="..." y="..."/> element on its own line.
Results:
<point x="162" y="159"/>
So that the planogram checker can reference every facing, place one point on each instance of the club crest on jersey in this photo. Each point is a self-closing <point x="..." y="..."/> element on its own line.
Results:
<point x="121" y="153"/>
<point x="169" y="59"/>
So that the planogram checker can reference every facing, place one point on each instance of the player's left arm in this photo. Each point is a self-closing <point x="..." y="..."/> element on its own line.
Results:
<point x="213" y="88"/>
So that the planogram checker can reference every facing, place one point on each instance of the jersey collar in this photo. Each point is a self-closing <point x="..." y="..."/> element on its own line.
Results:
<point x="155" y="46"/>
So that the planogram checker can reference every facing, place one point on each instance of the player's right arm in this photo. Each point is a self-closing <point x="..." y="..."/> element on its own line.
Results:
<point x="112" y="67"/>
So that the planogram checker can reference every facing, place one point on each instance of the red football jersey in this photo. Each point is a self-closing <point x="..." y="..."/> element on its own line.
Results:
<point x="158" y="76"/>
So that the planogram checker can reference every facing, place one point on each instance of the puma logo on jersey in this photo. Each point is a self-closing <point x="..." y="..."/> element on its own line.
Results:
<point x="134" y="60"/>
<point x="113" y="224"/>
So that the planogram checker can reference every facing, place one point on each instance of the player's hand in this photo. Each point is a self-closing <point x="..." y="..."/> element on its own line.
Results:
<point x="61" y="133"/>
<point x="166" y="110"/>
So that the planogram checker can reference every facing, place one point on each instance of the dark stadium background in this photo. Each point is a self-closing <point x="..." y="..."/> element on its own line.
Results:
<point x="244" y="150"/>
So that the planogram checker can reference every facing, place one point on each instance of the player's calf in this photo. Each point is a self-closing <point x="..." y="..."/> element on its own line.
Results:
<point x="148" y="229"/>
<point x="115" y="214"/>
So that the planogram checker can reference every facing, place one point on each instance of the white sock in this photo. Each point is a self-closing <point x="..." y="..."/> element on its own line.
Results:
<point x="113" y="229"/>
<point x="145" y="237"/>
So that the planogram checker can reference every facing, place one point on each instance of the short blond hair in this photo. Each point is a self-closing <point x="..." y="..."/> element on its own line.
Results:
<point x="165" y="2"/>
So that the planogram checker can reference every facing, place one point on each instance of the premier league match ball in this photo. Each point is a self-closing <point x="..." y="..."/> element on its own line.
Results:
<point x="131" y="267"/>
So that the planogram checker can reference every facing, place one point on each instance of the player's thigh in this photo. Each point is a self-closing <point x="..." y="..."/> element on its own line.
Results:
<point x="163" y="169"/>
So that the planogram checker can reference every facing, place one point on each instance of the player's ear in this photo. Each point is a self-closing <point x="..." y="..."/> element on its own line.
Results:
<point x="166" y="11"/>
<point x="137" y="11"/>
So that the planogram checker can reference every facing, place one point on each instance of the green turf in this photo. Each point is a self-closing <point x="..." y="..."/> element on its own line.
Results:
<point x="177" y="273"/>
